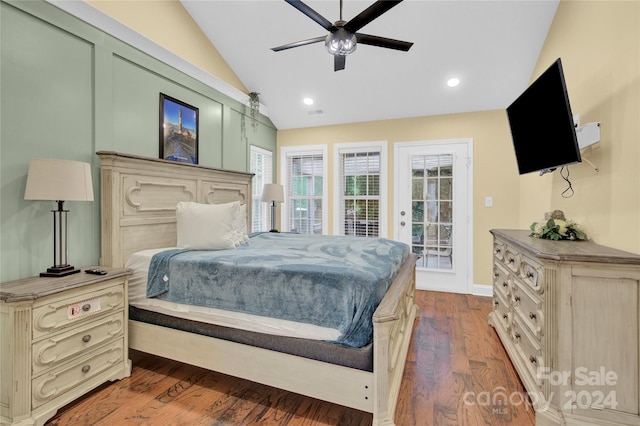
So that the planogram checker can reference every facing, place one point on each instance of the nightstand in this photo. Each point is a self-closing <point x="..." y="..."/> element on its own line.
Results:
<point x="60" y="338"/>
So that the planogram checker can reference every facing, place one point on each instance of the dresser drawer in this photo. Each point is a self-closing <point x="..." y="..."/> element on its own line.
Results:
<point x="69" y="376"/>
<point x="528" y="349"/>
<point x="501" y="280"/>
<point x="56" y="349"/>
<point x="501" y="311"/>
<point x="532" y="274"/>
<point x="499" y="249"/>
<point x="528" y="306"/>
<point x="512" y="259"/>
<point x="52" y="315"/>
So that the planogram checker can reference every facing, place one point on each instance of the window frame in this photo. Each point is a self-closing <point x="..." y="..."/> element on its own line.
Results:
<point x="256" y="193"/>
<point x="292" y="151"/>
<point x="338" y="198"/>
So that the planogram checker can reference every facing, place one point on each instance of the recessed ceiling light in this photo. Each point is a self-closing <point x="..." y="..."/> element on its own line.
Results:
<point x="308" y="101"/>
<point x="453" y="82"/>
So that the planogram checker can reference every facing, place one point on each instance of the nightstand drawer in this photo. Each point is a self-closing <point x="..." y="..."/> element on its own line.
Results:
<point x="59" y="313"/>
<point x="74" y="375"/>
<point x="56" y="349"/>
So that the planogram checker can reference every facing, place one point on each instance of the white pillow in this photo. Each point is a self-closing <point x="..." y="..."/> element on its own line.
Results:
<point x="206" y="226"/>
<point x="240" y="225"/>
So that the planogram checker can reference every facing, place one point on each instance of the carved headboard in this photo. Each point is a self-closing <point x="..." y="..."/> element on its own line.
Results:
<point x="139" y="197"/>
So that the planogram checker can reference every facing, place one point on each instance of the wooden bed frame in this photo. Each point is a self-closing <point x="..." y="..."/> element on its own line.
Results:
<point x="139" y="197"/>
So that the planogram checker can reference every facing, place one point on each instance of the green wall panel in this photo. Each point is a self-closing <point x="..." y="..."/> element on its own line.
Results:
<point x="47" y="111"/>
<point x="68" y="90"/>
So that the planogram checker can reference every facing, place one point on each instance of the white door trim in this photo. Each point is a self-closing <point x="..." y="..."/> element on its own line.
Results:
<point x="397" y="190"/>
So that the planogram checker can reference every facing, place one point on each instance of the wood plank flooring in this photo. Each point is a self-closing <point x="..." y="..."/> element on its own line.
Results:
<point x="457" y="373"/>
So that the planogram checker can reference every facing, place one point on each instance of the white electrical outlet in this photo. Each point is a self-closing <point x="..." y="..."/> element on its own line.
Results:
<point x="488" y="201"/>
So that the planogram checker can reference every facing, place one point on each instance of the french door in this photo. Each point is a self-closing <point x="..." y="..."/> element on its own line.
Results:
<point x="434" y="211"/>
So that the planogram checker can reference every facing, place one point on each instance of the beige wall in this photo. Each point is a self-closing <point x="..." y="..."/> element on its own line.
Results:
<point x="599" y="43"/>
<point x="494" y="168"/>
<point x="153" y="18"/>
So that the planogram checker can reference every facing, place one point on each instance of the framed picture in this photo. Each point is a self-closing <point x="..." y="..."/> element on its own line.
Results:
<point x="178" y="130"/>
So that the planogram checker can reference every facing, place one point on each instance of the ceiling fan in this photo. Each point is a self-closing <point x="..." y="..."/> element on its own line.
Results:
<point x="343" y="36"/>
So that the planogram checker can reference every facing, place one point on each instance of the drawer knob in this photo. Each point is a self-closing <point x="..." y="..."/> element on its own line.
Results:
<point x="86" y="307"/>
<point x="86" y="368"/>
<point x="517" y="335"/>
<point x="495" y="303"/>
<point x="504" y="284"/>
<point x="512" y="260"/>
<point x="86" y="338"/>
<point x="505" y="316"/>
<point x="529" y="274"/>
<point x="517" y="298"/>
<point x="532" y="359"/>
<point x="532" y="315"/>
<point x="498" y="251"/>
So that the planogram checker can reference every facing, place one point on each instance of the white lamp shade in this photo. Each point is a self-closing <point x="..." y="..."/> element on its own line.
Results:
<point x="273" y="192"/>
<point x="59" y="180"/>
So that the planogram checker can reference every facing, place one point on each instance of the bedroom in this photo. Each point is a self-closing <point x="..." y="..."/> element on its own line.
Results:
<point x="603" y="84"/>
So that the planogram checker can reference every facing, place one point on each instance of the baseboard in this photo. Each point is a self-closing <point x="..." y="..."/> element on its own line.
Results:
<point x="482" y="290"/>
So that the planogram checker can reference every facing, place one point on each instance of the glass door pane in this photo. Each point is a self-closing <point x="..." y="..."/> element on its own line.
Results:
<point x="432" y="210"/>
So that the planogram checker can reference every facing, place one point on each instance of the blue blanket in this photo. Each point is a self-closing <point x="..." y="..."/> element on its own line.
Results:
<point x="331" y="281"/>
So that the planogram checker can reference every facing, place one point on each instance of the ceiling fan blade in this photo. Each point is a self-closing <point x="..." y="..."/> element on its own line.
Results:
<point x="339" y="62"/>
<point x="369" y="14"/>
<point x="389" y="43"/>
<point x="321" y="20"/>
<point x="298" y="43"/>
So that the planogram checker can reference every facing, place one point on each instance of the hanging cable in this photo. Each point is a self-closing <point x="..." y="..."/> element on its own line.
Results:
<point x="567" y="193"/>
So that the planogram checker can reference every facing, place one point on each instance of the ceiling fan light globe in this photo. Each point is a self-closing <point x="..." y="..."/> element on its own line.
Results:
<point x="341" y="42"/>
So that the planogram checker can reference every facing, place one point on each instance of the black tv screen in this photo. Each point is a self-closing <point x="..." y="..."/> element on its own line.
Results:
<point x="541" y="122"/>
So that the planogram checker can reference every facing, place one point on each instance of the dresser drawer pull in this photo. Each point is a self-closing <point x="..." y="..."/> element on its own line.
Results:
<point x="517" y="298"/>
<point x="86" y="368"/>
<point x="86" y="307"/>
<point x="504" y="284"/>
<point x="86" y="338"/>
<point x="532" y="315"/>
<point x="498" y="251"/>
<point x="532" y="359"/>
<point x="496" y="303"/>
<point x="505" y="316"/>
<point x="530" y="274"/>
<point x="512" y="260"/>
<point x="517" y="335"/>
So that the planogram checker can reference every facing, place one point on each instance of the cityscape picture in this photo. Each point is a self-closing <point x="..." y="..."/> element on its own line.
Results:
<point x="178" y="130"/>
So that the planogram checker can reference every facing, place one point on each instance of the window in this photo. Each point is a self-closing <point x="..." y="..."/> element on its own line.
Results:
<point x="303" y="177"/>
<point x="360" y="192"/>
<point x="262" y="167"/>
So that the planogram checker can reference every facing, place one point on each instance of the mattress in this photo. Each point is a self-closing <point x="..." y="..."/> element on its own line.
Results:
<point x="139" y="262"/>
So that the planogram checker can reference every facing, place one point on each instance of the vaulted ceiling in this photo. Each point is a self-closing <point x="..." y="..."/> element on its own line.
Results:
<point x="491" y="46"/>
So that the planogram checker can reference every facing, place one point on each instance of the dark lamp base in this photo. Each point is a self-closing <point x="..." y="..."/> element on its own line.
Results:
<point x="60" y="271"/>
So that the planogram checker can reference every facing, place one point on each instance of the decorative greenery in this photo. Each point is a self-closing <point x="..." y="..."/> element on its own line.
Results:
<point x="254" y="108"/>
<point x="557" y="229"/>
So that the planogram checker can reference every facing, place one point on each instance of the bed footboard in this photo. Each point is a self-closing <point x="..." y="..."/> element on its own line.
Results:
<point x="392" y="328"/>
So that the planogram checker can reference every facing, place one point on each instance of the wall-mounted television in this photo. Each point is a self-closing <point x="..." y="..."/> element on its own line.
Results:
<point x="542" y="127"/>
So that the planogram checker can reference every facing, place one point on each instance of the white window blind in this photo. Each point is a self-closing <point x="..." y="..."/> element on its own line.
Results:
<point x="360" y="189"/>
<point x="262" y="167"/>
<point x="305" y="191"/>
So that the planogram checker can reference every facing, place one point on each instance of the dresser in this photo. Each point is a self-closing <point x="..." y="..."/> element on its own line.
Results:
<point x="60" y="338"/>
<point x="567" y="313"/>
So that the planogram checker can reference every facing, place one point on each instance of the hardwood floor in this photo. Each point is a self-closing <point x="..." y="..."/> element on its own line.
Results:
<point x="457" y="373"/>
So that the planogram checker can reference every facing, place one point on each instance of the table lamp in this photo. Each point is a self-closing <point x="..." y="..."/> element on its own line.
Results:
<point x="59" y="181"/>
<point x="273" y="193"/>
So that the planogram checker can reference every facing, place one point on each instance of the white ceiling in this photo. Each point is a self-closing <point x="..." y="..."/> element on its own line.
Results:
<point x="492" y="46"/>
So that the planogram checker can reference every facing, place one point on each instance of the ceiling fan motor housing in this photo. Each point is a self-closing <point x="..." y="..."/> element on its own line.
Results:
<point x="341" y="41"/>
